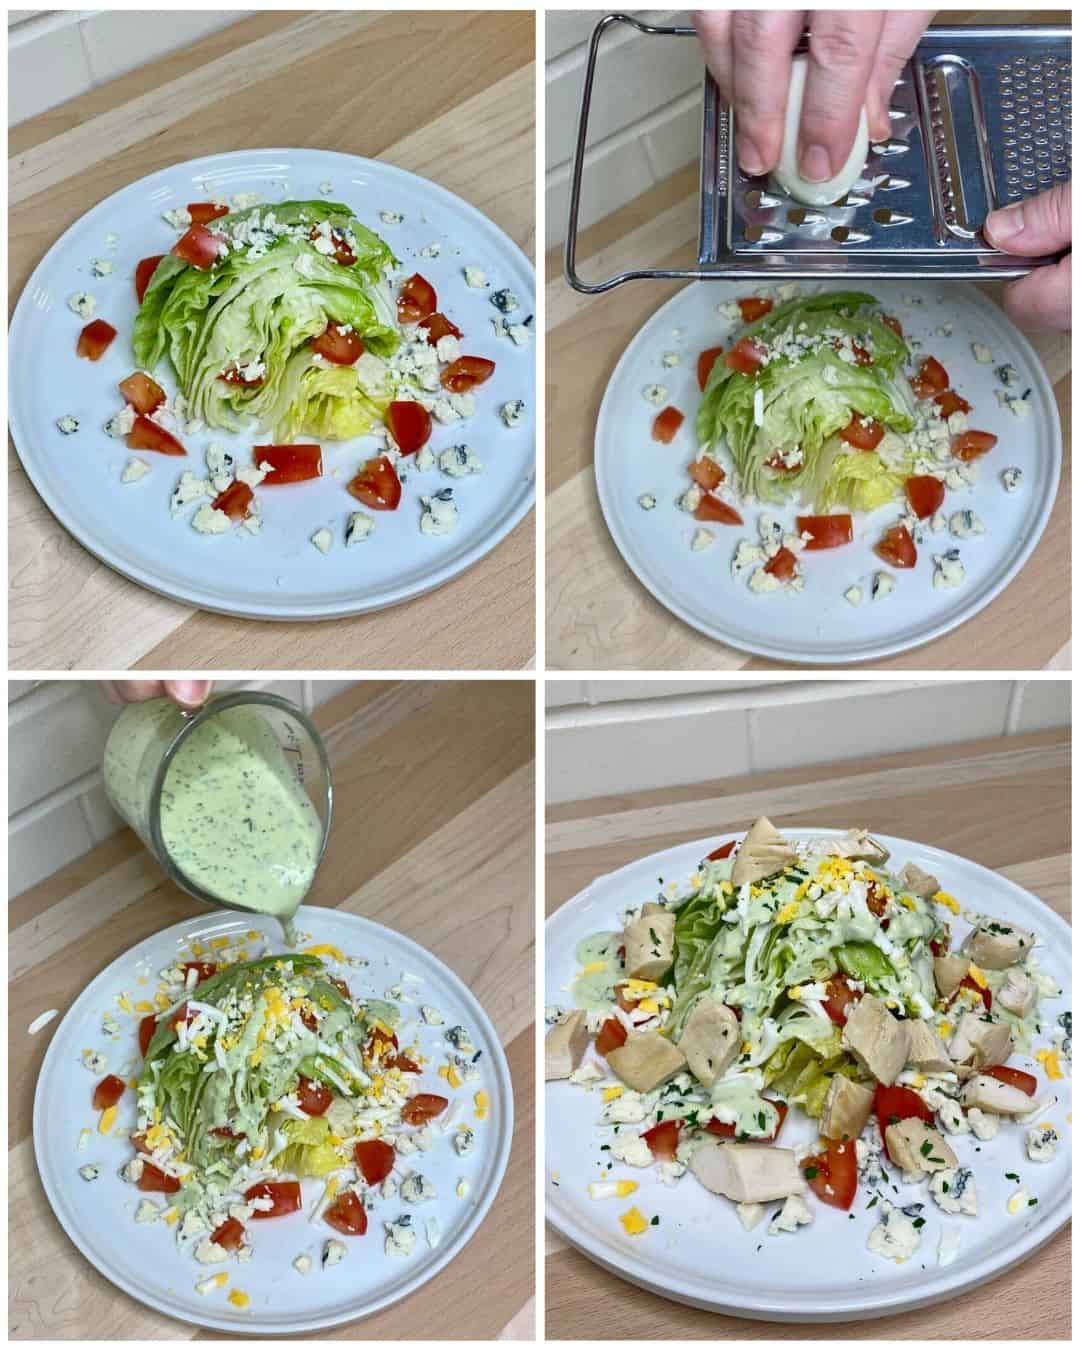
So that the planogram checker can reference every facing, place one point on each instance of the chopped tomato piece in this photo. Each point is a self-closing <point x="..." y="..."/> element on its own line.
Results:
<point x="950" y="402"/>
<point x="343" y="989"/>
<point x="410" y="425"/>
<point x="839" y="996"/>
<point x="863" y="432"/>
<point x="203" y="969"/>
<point x="930" y="379"/>
<point x="147" y="435"/>
<point x="971" y="444"/>
<point x="610" y="1036"/>
<point x="783" y="564"/>
<point x="713" y="508"/>
<point x="108" y="1092"/>
<point x="288" y="463"/>
<point x="144" y="274"/>
<point x="925" y="493"/>
<point x="348" y="1215"/>
<point x="666" y="425"/>
<point x="404" y="1063"/>
<point x="876" y="900"/>
<point x="745" y="357"/>
<point x="984" y="995"/>
<point x="894" y="324"/>
<point x="707" y="473"/>
<point x="199" y="247"/>
<point x="235" y="501"/>
<point x="467" y="371"/>
<point x="826" y="531"/>
<point x="624" y="999"/>
<point x="862" y="356"/>
<point x="725" y="1129"/>
<point x="377" y="485"/>
<point x="834" y="1174"/>
<point x="202" y="213"/>
<point x="375" y="1159"/>
<point x="229" y="1235"/>
<point x="423" y="1107"/>
<point x="224" y="1132"/>
<point x="417" y="300"/>
<point x="154" y="1179"/>
<point x="313" y="1098"/>
<point x="340" y="346"/>
<point x="1016" y="1078"/>
<point x="138" y="1142"/>
<point x="896" y="547"/>
<point x="779" y="464"/>
<point x="95" y="340"/>
<point x="285" y="1196"/>
<point x="663" y="1140"/>
<point x="705" y="363"/>
<point x="182" y="1015"/>
<point x="897" y="1103"/>
<point x="147" y="1027"/>
<point x="380" y="1043"/>
<point x="724" y="851"/>
<point x="234" y="375"/>
<point x="343" y="253"/>
<point x="754" y="307"/>
<point x="438" y="326"/>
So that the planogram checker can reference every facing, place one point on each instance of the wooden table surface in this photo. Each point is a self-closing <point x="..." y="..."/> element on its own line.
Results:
<point x="599" y="616"/>
<point x="1003" y="802"/>
<point x="433" y="833"/>
<point x="449" y="96"/>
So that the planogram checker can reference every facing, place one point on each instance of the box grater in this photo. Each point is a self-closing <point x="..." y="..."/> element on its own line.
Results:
<point x="980" y="117"/>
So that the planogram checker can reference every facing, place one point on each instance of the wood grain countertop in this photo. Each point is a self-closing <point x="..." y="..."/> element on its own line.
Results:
<point x="470" y="130"/>
<point x="433" y="836"/>
<point x="599" y="616"/>
<point x="1003" y="802"/>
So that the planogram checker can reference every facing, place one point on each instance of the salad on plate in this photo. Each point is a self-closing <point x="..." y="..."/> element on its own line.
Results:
<point x="813" y="982"/>
<point x="289" y="328"/>
<point x="254" y="1087"/>
<point x="821" y="412"/>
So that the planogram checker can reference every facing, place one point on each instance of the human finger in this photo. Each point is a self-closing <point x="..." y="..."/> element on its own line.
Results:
<point x="843" y="48"/>
<point x="762" y="43"/>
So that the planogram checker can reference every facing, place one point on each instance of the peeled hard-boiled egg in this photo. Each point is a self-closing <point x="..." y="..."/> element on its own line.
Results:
<point x="787" y="172"/>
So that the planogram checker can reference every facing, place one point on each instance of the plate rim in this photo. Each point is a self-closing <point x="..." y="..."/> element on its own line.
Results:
<point x="283" y="611"/>
<point x="206" y="923"/>
<point x="855" y="1305"/>
<point x="845" y="656"/>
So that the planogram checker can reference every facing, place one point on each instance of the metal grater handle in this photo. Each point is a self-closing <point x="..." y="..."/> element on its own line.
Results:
<point x="570" y="248"/>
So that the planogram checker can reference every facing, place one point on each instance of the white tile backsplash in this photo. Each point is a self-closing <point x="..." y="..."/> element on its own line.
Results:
<point x="645" y="119"/>
<point x="57" y="808"/>
<point x="611" y="736"/>
<point x="56" y="55"/>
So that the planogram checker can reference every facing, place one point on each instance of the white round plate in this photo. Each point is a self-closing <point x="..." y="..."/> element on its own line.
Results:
<point x="278" y="574"/>
<point x="698" y="1253"/>
<point x="817" y="626"/>
<point x="144" y="1259"/>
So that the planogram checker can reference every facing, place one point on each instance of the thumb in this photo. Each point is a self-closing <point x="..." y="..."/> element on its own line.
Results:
<point x="1034" y="227"/>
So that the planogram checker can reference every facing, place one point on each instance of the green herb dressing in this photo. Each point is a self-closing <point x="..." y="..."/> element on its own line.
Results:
<point x="233" y="817"/>
<point x="596" y="989"/>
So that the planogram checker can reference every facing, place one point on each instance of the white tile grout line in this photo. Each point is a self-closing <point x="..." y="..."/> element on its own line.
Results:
<point x="46" y="695"/>
<point x="35" y="811"/>
<point x="713" y="700"/>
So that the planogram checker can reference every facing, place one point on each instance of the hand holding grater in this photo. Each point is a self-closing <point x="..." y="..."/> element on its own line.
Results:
<point x="981" y="118"/>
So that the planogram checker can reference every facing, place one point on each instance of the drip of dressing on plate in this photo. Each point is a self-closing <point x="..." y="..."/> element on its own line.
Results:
<point x="233" y="817"/>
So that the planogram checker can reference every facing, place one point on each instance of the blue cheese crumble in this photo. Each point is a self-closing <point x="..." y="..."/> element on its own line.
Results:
<point x="647" y="501"/>
<point x="1012" y="478"/>
<point x="83" y="304"/>
<point x="360" y="526"/>
<point x="67" y="425"/>
<point x="459" y="462"/>
<point x="883" y="584"/>
<point x="948" y="569"/>
<point x="702" y="540"/>
<point x="475" y="277"/>
<point x="513" y="412"/>
<point x="323" y="540"/>
<point x="965" y="524"/>
<point x="854" y="595"/>
<point x="655" y="394"/>
<point x="440" y="514"/>
<point x="134" y="470"/>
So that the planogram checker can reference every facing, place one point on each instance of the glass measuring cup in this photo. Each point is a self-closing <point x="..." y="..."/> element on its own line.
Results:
<point x="234" y="799"/>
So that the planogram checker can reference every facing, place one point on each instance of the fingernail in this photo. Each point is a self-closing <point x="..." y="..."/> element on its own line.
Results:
<point x="751" y="161"/>
<point x="1005" y="224"/>
<point x="191" y="693"/>
<point x="815" y="166"/>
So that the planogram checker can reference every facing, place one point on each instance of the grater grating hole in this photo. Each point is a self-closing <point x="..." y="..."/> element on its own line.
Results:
<point x="1034" y="100"/>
